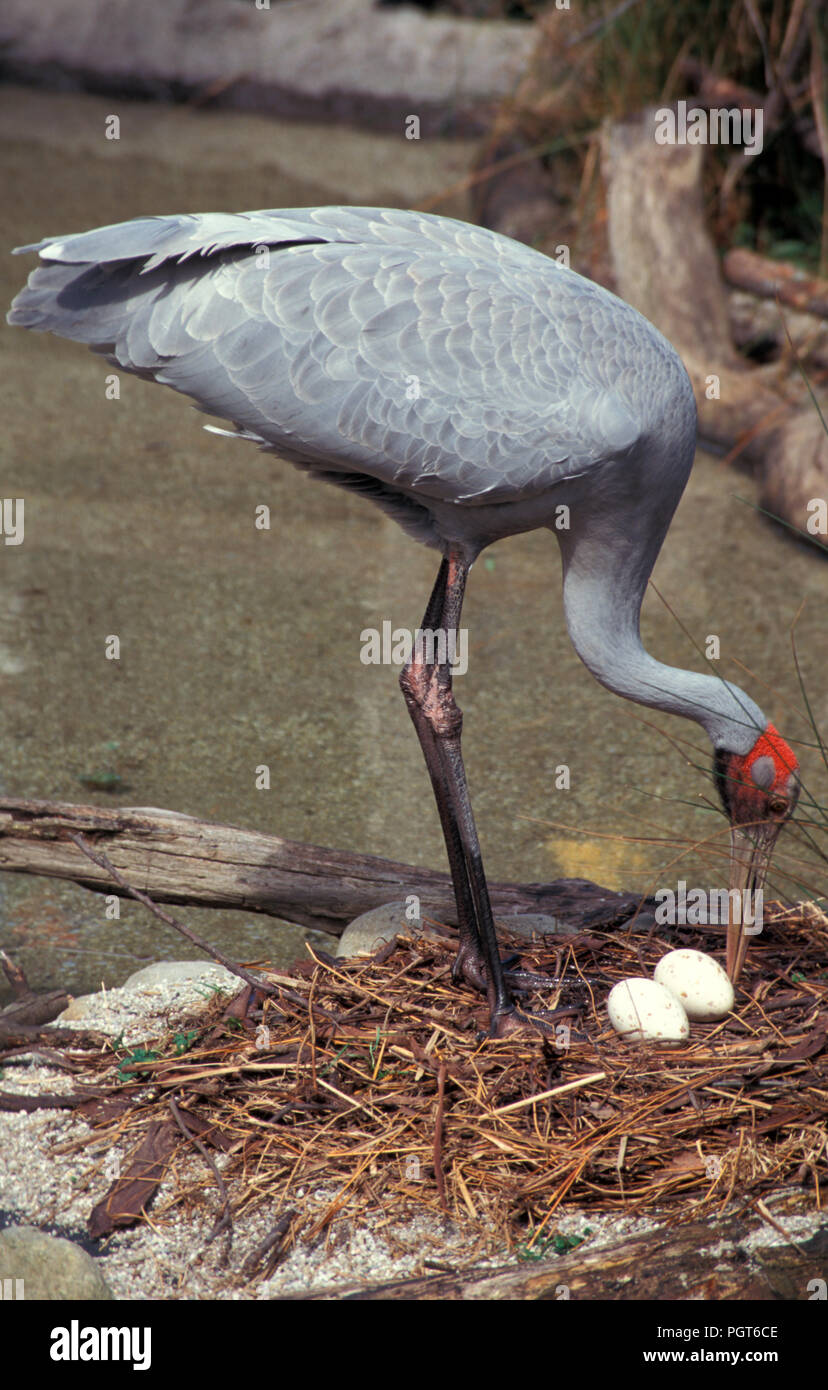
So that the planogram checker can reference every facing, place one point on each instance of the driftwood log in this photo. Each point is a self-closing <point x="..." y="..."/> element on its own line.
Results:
<point x="178" y="859"/>
<point x="686" y="1262"/>
<point x="352" y="61"/>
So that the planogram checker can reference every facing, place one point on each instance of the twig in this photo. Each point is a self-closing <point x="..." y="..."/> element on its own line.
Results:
<point x="15" y="977"/>
<point x="439" y="1176"/>
<point x="104" y="863"/>
<point x="275" y="1237"/>
<point x="556" y="1091"/>
<point x="225" y="1219"/>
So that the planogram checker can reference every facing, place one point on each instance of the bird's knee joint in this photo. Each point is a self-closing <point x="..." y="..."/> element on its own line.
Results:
<point x="446" y="719"/>
<point x="428" y="699"/>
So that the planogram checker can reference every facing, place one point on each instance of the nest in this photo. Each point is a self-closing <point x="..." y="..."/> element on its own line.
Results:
<point x="373" y="1080"/>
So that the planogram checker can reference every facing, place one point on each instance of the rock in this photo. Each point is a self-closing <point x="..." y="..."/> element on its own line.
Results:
<point x="164" y="971"/>
<point x="50" y="1267"/>
<point x="78" y="1008"/>
<point x="369" y="932"/>
<point x="151" y="991"/>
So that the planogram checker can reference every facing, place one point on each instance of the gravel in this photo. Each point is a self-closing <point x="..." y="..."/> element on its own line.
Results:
<point x="44" y="1186"/>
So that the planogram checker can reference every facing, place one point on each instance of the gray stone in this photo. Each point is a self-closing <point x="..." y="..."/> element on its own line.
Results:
<point x="78" y="1008"/>
<point x="149" y="990"/>
<point x="172" y="971"/>
<point x="50" y="1267"/>
<point x="369" y="932"/>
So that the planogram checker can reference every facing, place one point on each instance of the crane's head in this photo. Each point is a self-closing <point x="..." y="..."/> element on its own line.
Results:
<point x="759" y="791"/>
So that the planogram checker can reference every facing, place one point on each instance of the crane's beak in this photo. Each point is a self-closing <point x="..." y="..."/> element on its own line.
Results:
<point x="750" y="853"/>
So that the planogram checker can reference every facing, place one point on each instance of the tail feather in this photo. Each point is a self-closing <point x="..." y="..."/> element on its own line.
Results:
<point x="91" y="286"/>
<point x="157" y="239"/>
<point x="91" y="305"/>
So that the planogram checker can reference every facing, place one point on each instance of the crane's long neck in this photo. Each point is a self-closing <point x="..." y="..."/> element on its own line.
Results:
<point x="605" y="578"/>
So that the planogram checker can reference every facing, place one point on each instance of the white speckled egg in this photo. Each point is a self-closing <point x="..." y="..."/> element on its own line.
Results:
<point x="698" y="982"/>
<point x="641" y="1009"/>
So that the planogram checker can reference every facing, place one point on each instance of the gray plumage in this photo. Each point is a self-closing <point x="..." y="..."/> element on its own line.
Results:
<point x="462" y="381"/>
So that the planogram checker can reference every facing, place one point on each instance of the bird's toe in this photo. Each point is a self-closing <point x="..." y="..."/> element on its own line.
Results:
<point x="506" y="1022"/>
<point x="470" y="967"/>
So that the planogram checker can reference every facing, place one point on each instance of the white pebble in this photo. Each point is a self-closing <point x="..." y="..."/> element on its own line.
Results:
<point x="698" y="982"/>
<point x="641" y="1009"/>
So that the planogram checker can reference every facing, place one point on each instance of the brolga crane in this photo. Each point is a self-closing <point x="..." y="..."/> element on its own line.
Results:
<point x="471" y="388"/>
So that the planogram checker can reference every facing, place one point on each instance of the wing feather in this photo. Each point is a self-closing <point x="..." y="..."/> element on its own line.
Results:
<point x="434" y="357"/>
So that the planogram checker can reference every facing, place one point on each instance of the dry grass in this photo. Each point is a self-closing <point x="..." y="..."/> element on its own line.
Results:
<point x="373" y="1079"/>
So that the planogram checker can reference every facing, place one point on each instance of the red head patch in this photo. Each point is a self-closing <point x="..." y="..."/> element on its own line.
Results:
<point x="762" y="786"/>
<point x="771" y="745"/>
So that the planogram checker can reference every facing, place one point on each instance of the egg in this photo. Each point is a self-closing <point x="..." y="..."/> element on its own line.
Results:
<point x="640" y="1009"/>
<point x="698" y="982"/>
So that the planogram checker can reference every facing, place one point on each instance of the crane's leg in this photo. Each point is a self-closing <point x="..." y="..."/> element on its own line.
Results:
<point x="438" y="721"/>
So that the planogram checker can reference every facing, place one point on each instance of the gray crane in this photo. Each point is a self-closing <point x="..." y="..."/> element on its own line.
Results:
<point x="471" y="388"/>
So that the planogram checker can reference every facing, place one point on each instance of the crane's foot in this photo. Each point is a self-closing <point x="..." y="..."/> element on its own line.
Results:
<point x="470" y="969"/>
<point x="507" y="1022"/>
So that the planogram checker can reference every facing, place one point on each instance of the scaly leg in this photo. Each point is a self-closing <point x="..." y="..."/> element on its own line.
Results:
<point x="427" y="688"/>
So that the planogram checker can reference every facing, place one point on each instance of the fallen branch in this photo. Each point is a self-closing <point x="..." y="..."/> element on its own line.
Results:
<point x="179" y="859"/>
<point x="23" y="1017"/>
<point x="747" y="270"/>
<point x="666" y="1264"/>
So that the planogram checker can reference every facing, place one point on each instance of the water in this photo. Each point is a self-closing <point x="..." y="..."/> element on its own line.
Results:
<point x="241" y="647"/>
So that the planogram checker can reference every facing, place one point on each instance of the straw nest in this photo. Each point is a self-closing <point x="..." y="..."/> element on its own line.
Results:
<point x="373" y="1080"/>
